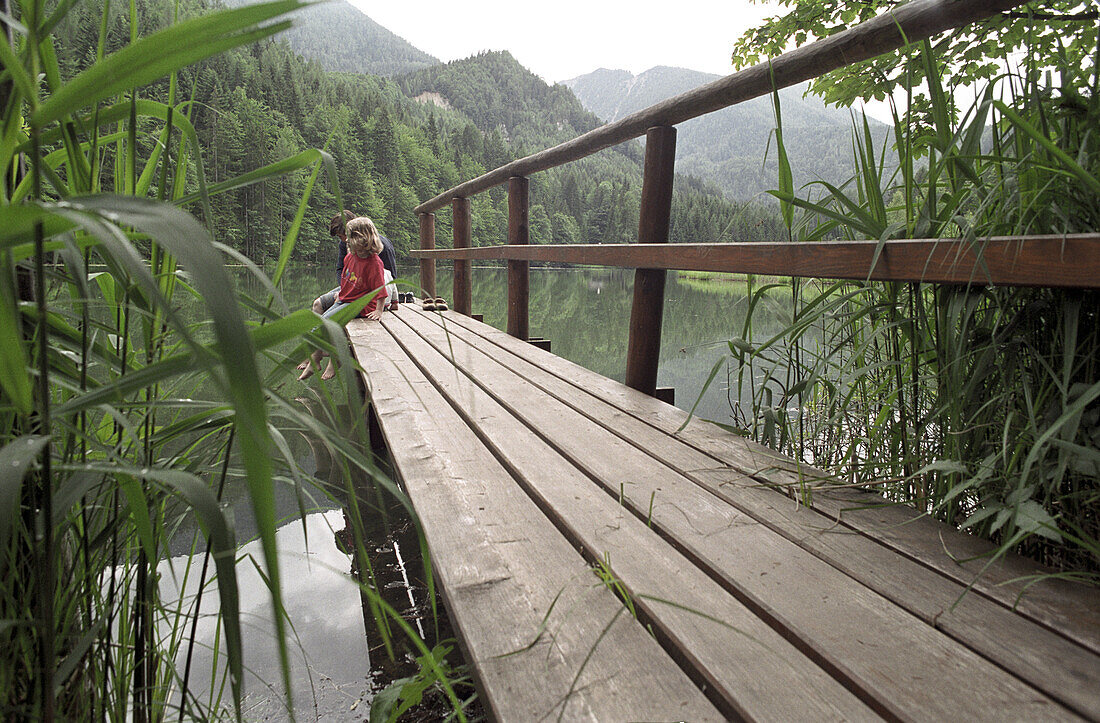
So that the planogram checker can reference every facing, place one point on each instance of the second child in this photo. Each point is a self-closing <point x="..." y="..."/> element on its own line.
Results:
<point x="363" y="274"/>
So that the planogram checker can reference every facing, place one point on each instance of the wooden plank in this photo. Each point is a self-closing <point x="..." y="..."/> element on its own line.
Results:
<point x="817" y="606"/>
<point x="518" y="272"/>
<point x="1071" y="261"/>
<point x="739" y="659"/>
<point x="460" y="211"/>
<point x="1069" y="608"/>
<point x="1018" y="644"/>
<point x="510" y="579"/>
<point x="647" y="309"/>
<point x="908" y="23"/>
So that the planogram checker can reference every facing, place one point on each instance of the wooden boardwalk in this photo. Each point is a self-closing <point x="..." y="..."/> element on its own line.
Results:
<point x="599" y="564"/>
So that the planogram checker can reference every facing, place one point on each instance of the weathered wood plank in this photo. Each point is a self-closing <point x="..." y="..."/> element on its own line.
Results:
<point x="823" y="610"/>
<point x="1030" y="651"/>
<point x="740" y="658"/>
<point x="908" y="23"/>
<point x="510" y="579"/>
<point x="1071" y="261"/>
<point x="1069" y="608"/>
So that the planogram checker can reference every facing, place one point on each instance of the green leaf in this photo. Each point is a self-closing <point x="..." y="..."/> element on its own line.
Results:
<point x="1031" y="517"/>
<point x="182" y="236"/>
<point x="157" y="55"/>
<point x="16" y="459"/>
<point x="139" y="512"/>
<point x="14" y="379"/>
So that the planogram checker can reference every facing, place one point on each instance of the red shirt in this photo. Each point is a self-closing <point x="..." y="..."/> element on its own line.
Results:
<point x="361" y="277"/>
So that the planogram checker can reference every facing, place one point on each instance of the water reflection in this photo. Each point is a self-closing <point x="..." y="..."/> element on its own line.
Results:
<point x="337" y="656"/>
<point x="328" y="652"/>
<point x="586" y="314"/>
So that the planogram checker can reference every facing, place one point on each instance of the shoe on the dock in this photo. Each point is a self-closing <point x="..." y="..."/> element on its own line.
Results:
<point x="440" y="303"/>
<point x="429" y="305"/>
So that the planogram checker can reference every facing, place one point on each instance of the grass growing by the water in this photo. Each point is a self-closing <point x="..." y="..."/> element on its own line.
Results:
<point x="123" y="418"/>
<point x="977" y="404"/>
<point x="712" y="282"/>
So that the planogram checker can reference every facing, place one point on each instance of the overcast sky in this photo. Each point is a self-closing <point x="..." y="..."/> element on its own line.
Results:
<point x="563" y="39"/>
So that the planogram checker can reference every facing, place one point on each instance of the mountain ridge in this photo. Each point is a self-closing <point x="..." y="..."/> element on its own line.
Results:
<point x="733" y="147"/>
<point x="364" y="45"/>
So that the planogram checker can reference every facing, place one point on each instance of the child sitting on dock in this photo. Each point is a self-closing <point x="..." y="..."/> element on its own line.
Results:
<point x="363" y="274"/>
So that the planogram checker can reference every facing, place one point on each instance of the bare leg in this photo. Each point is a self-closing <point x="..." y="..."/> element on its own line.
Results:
<point x="310" y="365"/>
<point x="330" y="370"/>
<point x="316" y="310"/>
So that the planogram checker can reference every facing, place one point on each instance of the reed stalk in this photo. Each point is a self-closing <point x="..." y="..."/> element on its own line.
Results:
<point x="135" y="377"/>
<point x="976" y="403"/>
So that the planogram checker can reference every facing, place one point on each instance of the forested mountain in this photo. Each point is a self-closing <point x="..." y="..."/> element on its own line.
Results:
<point x="263" y="103"/>
<point x="600" y="193"/>
<point x="342" y="38"/>
<point x="731" y="147"/>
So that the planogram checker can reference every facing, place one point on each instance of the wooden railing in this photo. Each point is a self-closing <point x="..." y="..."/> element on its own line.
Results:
<point x="1066" y="261"/>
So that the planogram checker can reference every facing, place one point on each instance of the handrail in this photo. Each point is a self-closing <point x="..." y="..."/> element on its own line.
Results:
<point x="911" y="22"/>
<point x="916" y="20"/>
<point x="1055" y="261"/>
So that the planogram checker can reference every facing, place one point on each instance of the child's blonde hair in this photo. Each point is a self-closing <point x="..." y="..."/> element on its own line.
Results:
<point x="363" y="238"/>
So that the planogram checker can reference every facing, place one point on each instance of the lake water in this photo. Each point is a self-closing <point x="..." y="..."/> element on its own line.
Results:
<point x="585" y="313"/>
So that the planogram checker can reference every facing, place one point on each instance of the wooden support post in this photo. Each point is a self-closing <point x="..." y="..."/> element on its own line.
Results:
<point x="427" y="266"/>
<point x="460" y="208"/>
<point x="518" y="271"/>
<point x="374" y="431"/>
<point x="644" y="346"/>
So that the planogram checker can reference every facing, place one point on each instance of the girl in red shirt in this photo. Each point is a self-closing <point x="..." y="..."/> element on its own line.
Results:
<point x="363" y="274"/>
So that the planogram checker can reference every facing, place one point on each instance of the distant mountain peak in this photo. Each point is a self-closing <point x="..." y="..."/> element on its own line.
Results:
<point x="731" y="147"/>
<point x="342" y="38"/>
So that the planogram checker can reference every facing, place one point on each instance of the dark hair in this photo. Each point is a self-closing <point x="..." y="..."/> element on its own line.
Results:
<point x="336" y="225"/>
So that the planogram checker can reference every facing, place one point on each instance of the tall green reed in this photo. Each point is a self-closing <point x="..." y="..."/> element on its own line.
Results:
<point x="122" y="415"/>
<point x="977" y="404"/>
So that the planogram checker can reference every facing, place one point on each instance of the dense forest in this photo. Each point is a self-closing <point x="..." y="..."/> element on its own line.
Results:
<point x="254" y="106"/>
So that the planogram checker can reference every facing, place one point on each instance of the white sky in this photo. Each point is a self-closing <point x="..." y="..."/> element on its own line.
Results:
<point x="563" y="39"/>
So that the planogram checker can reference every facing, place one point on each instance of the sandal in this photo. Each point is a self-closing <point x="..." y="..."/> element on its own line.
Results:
<point x="429" y="305"/>
<point x="440" y="303"/>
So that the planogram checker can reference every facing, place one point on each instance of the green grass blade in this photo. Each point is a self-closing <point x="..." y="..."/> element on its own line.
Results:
<point x="162" y="52"/>
<point x="16" y="459"/>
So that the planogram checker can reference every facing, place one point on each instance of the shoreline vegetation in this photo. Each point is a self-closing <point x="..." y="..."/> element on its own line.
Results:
<point x="126" y="420"/>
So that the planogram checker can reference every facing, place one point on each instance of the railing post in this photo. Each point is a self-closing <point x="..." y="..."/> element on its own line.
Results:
<point x="460" y="208"/>
<point x="644" y="346"/>
<point x="427" y="266"/>
<point x="518" y="271"/>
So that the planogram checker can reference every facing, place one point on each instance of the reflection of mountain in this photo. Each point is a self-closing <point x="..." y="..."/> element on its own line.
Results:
<point x="729" y="146"/>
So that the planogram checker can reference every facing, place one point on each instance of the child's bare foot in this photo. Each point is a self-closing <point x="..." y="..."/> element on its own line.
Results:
<point x="310" y="365"/>
<point x="330" y="371"/>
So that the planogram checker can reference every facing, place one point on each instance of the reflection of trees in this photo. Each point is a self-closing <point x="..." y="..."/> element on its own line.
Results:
<point x="586" y="315"/>
<point x="383" y="548"/>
